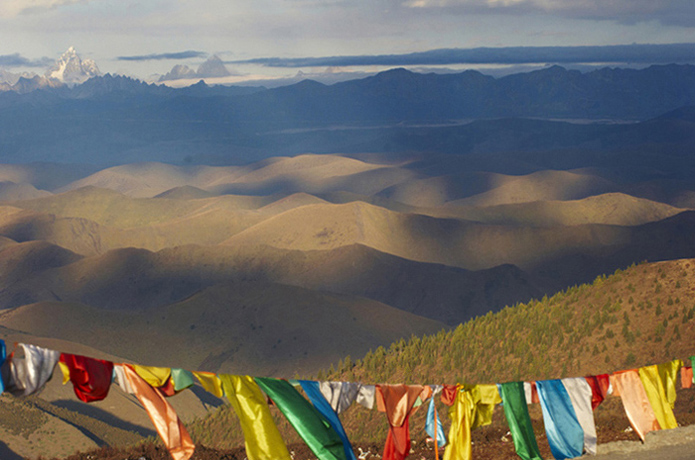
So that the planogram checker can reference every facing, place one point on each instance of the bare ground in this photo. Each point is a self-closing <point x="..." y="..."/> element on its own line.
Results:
<point x="676" y="444"/>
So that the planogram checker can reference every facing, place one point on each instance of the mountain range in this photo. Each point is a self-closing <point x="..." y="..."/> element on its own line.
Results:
<point x="113" y="120"/>
<point x="68" y="70"/>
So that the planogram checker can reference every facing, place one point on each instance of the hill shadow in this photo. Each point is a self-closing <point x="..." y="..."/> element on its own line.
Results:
<point x="8" y="454"/>
<point x="104" y="416"/>
<point x="208" y="399"/>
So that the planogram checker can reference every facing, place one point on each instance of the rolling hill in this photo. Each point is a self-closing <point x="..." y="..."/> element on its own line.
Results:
<point x="435" y="191"/>
<point x="468" y="244"/>
<point x="554" y="243"/>
<point x="134" y="279"/>
<point x="238" y="327"/>
<point x="308" y="173"/>
<point x="10" y="191"/>
<point x="608" y="209"/>
<point x="540" y="186"/>
<point x="490" y="189"/>
<point x="44" y="176"/>
<point x="150" y="179"/>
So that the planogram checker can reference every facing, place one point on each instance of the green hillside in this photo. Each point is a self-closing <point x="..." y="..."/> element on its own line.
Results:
<point x="637" y="316"/>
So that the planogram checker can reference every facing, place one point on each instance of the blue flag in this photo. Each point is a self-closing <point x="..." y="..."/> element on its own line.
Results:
<point x="429" y="425"/>
<point x="565" y="434"/>
<point x="311" y="389"/>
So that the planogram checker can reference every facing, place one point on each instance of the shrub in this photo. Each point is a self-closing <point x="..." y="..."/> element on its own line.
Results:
<point x="630" y="360"/>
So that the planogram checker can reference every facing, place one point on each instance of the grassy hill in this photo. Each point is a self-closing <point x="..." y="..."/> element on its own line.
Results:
<point x="637" y="316"/>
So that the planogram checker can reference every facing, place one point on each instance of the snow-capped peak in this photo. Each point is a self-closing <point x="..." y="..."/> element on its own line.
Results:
<point x="71" y="69"/>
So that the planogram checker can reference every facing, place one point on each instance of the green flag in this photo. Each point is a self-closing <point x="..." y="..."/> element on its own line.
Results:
<point x="182" y="379"/>
<point x="314" y="429"/>
<point x="516" y="411"/>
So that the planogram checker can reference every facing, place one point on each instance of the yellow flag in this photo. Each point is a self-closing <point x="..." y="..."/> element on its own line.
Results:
<point x="210" y="382"/>
<point x="668" y="373"/>
<point x="263" y="440"/>
<point x="155" y="376"/>
<point x="472" y="409"/>
<point x="66" y="371"/>
<point x="656" y="393"/>
<point x="485" y="397"/>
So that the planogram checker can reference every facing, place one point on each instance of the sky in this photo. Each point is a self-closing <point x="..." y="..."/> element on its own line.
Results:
<point x="142" y="38"/>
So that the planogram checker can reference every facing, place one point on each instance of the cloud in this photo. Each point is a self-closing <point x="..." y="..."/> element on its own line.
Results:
<point x="12" y="8"/>
<point x="635" y="54"/>
<point x="162" y="56"/>
<point x="17" y="60"/>
<point x="668" y="12"/>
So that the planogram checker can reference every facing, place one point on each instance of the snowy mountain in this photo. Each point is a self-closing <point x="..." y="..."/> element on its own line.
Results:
<point x="177" y="72"/>
<point x="212" y="68"/>
<point x="11" y="78"/>
<point x="27" y="85"/>
<point x="71" y="69"/>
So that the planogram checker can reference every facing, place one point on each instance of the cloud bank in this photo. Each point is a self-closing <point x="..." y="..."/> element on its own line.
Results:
<point x="162" y="56"/>
<point x="17" y="60"/>
<point x="633" y="54"/>
<point x="669" y="12"/>
<point x="12" y="8"/>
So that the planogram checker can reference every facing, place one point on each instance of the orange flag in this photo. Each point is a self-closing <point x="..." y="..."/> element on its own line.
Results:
<point x="628" y="386"/>
<point x="686" y="377"/>
<point x="398" y="401"/>
<point x="165" y="420"/>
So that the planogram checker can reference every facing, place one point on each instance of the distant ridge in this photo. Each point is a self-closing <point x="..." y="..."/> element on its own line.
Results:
<point x="686" y="113"/>
<point x="302" y="173"/>
<point x="115" y="120"/>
